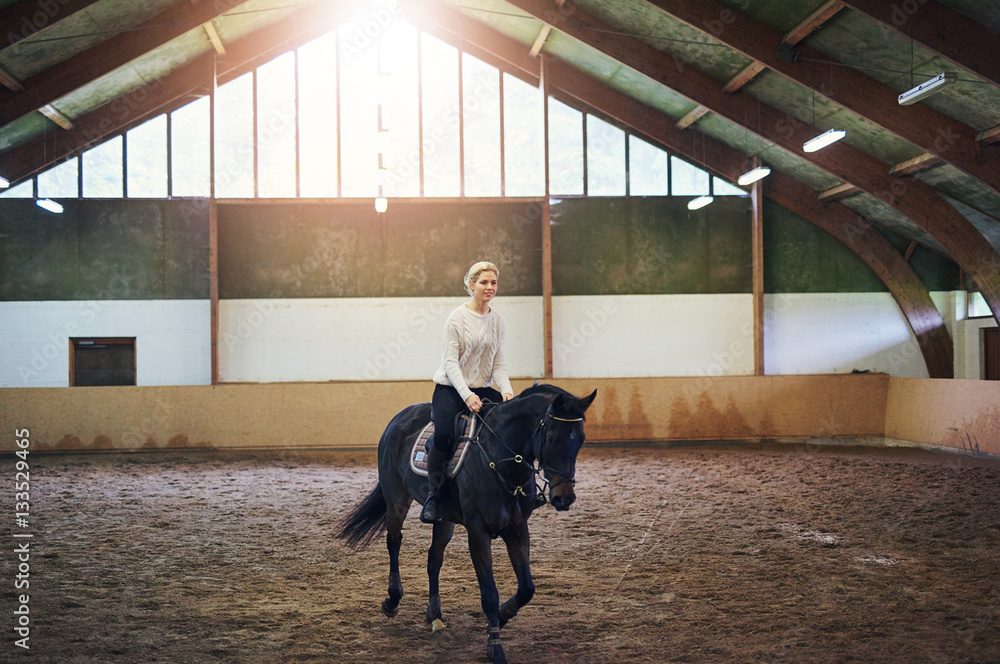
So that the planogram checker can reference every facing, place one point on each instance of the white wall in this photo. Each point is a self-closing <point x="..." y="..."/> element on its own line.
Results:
<point x="172" y="346"/>
<point x="358" y="339"/>
<point x="400" y="338"/>
<point x="808" y="333"/>
<point x="652" y="335"/>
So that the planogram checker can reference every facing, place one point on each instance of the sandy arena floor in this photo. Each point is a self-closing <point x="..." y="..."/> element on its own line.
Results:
<point x="696" y="554"/>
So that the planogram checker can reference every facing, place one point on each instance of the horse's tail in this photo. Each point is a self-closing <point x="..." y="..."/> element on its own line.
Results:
<point x="363" y="523"/>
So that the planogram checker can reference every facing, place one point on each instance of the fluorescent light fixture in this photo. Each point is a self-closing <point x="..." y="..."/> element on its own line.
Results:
<point x="927" y="88"/>
<point x="381" y="204"/>
<point x="823" y="140"/>
<point x="753" y="175"/>
<point x="700" y="202"/>
<point x="4" y="183"/>
<point x="49" y="204"/>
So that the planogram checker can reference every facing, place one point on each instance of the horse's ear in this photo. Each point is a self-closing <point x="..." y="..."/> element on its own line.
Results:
<point x="587" y="400"/>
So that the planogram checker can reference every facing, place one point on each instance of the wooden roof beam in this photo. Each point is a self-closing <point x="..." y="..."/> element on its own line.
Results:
<point x="24" y="18"/>
<point x="964" y="42"/>
<point x="213" y="36"/>
<point x="989" y="136"/>
<point x="543" y="34"/>
<point x="749" y="73"/>
<point x="47" y="86"/>
<point x="10" y="82"/>
<point x="813" y="22"/>
<point x="837" y="193"/>
<point x="915" y="165"/>
<point x="697" y="113"/>
<point x="930" y="130"/>
<point x="914" y="199"/>
<point x="56" y="116"/>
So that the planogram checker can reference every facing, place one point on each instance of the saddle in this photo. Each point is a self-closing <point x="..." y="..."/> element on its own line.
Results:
<point x="465" y="429"/>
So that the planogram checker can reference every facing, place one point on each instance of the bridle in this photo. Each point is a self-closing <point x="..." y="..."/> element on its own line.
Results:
<point x="537" y="440"/>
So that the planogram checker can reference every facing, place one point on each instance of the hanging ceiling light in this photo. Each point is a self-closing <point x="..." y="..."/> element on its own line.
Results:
<point x="927" y="88"/>
<point x="50" y="205"/>
<point x="700" y="202"/>
<point x="823" y="140"/>
<point x="753" y="175"/>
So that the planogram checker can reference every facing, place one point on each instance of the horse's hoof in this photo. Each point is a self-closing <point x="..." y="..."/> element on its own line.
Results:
<point x="389" y="612"/>
<point x="496" y="655"/>
<point x="437" y="626"/>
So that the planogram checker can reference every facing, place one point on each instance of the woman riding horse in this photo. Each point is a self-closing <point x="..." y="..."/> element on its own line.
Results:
<point x="472" y="359"/>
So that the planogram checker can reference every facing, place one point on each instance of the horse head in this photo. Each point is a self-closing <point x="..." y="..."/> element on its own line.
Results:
<point x="564" y="436"/>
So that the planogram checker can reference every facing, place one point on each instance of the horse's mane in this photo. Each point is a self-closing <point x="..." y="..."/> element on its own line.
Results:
<point x="555" y="392"/>
<point x="543" y="388"/>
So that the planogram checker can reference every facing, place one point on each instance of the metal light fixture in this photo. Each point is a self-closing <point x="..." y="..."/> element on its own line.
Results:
<point x="927" y="88"/>
<point x="49" y="204"/>
<point x="823" y="140"/>
<point x="4" y="182"/>
<point x="753" y="175"/>
<point x="700" y="202"/>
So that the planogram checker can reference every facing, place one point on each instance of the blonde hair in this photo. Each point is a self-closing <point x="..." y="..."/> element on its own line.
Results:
<point x="472" y="276"/>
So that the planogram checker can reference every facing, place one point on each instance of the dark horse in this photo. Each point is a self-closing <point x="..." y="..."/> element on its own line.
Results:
<point x="492" y="496"/>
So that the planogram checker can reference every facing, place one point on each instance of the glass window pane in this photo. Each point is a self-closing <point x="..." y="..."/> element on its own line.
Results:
<point x="147" y="159"/>
<point x="647" y="174"/>
<point x="439" y="77"/>
<point x="276" y="127"/>
<point x="24" y="190"/>
<point x="605" y="158"/>
<point x="481" y="108"/>
<point x="722" y="188"/>
<point x="565" y="149"/>
<point x="234" y="138"/>
<point x="524" y="150"/>
<point x="318" y="117"/>
<point x="687" y="180"/>
<point x="359" y="116"/>
<point x="60" y="181"/>
<point x="398" y="95"/>
<point x="977" y="305"/>
<point x="190" y="133"/>
<point x="102" y="170"/>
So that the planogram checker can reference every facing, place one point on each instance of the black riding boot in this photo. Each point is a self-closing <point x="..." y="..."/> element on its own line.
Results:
<point x="437" y="462"/>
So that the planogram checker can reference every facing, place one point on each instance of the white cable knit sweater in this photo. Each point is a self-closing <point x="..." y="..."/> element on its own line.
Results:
<point x="473" y="353"/>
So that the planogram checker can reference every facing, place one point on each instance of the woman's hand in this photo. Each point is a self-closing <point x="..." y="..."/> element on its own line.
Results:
<point x="474" y="403"/>
<point x="507" y="396"/>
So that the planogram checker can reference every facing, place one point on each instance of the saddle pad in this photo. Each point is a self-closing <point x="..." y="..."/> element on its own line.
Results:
<point x="418" y="456"/>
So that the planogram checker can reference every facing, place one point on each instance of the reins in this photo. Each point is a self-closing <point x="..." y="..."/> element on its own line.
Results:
<point x="538" y="433"/>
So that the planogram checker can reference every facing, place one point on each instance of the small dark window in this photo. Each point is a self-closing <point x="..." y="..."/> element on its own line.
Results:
<point x="102" y="361"/>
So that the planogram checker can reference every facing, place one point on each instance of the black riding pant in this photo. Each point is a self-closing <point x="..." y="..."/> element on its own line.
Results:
<point x="445" y="405"/>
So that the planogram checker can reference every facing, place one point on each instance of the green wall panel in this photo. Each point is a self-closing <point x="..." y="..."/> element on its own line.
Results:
<point x="606" y="246"/>
<point x="418" y="249"/>
<point x="799" y="257"/>
<point x="104" y="250"/>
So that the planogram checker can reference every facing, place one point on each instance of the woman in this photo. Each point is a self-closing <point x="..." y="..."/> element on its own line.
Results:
<point x="473" y="359"/>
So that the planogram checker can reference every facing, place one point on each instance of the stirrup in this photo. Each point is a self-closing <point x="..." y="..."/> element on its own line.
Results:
<point x="428" y="514"/>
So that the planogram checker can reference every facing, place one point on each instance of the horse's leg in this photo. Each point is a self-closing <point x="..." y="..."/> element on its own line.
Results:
<point x="394" y="517"/>
<point x="435" y="558"/>
<point x="519" y="548"/>
<point x="482" y="560"/>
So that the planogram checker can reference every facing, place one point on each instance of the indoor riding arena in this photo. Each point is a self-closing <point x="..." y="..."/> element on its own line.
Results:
<point x="764" y="237"/>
